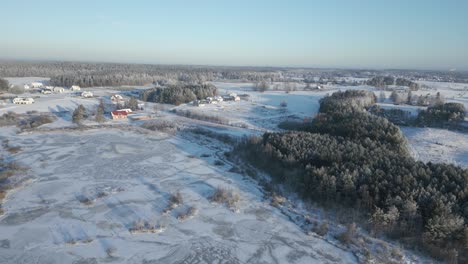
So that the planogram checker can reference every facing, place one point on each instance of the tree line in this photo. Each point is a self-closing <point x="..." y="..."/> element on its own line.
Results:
<point x="384" y="81"/>
<point x="179" y="93"/>
<point x="351" y="158"/>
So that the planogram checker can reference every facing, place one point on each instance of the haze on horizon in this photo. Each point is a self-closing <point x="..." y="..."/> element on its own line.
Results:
<point x="415" y="34"/>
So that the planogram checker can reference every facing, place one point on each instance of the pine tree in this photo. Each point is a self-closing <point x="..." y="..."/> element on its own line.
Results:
<point x="132" y="104"/>
<point x="382" y="96"/>
<point x="409" y="98"/>
<point x="100" y="112"/>
<point x="78" y="114"/>
<point x="395" y="97"/>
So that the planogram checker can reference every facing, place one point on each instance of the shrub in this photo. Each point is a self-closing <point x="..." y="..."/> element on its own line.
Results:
<point x="174" y="201"/>
<point x="189" y="212"/>
<point x="277" y="200"/>
<point x="9" y="119"/>
<point x="35" y="121"/>
<point x="161" y="125"/>
<point x="226" y="196"/>
<point x="143" y="226"/>
<point x="347" y="236"/>
<point x="321" y="229"/>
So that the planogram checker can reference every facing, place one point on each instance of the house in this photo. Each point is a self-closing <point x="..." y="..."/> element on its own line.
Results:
<point x="46" y="91"/>
<point x="20" y="100"/>
<point x="116" y="98"/>
<point x="86" y="94"/>
<point x="58" y="89"/>
<point x="36" y="85"/>
<point x="236" y="98"/>
<point x="75" y="88"/>
<point x="119" y="114"/>
<point x="26" y="87"/>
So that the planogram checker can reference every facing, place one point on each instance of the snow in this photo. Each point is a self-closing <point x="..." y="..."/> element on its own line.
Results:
<point x="49" y="103"/>
<point x="45" y="221"/>
<point x="27" y="80"/>
<point x="438" y="145"/>
<point x="138" y="169"/>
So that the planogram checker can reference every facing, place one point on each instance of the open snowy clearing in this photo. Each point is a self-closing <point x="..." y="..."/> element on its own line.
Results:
<point x="438" y="145"/>
<point x="27" y="80"/>
<point x="88" y="188"/>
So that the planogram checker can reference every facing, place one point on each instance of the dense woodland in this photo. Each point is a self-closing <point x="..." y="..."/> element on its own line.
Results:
<point x="116" y="74"/>
<point x="443" y="115"/>
<point x="384" y="81"/>
<point x="351" y="158"/>
<point x="178" y="93"/>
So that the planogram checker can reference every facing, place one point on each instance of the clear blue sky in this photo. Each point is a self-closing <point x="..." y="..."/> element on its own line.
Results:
<point x="423" y="34"/>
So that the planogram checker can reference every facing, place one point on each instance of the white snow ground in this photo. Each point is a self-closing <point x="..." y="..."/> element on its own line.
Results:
<point x="46" y="223"/>
<point x="438" y="145"/>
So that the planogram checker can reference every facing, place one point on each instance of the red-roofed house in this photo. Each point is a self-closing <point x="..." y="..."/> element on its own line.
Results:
<point x="119" y="114"/>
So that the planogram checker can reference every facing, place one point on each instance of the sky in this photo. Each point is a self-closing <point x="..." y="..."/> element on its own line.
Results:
<point x="410" y="34"/>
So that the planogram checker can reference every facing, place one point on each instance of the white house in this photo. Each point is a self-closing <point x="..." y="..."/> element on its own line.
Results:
<point x="116" y="98"/>
<point x="86" y="94"/>
<point x="75" y="88"/>
<point x="58" y="89"/>
<point x="36" y="85"/>
<point x="20" y="100"/>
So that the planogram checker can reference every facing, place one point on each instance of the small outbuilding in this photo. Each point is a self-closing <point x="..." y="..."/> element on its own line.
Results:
<point x="21" y="100"/>
<point x="75" y="88"/>
<point x="58" y="89"/>
<point x="36" y="85"/>
<point x="86" y="94"/>
<point x="116" y="98"/>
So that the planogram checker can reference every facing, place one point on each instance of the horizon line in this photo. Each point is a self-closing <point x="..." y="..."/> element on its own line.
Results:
<point x="233" y="66"/>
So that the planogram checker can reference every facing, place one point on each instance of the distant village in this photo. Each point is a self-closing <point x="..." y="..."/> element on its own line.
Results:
<point x="120" y="103"/>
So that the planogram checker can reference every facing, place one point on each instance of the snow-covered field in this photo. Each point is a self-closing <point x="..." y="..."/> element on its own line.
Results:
<point x="49" y="103"/>
<point x="46" y="222"/>
<point x="86" y="188"/>
<point x="438" y="145"/>
<point x="27" y="80"/>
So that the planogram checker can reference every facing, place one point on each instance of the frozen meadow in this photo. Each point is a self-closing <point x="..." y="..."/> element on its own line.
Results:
<point x="126" y="177"/>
